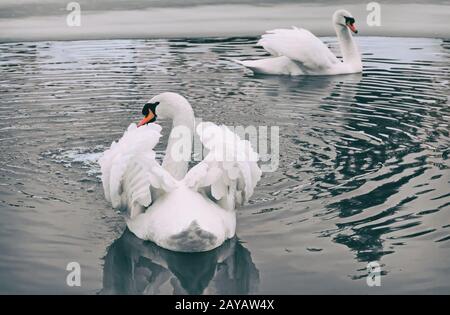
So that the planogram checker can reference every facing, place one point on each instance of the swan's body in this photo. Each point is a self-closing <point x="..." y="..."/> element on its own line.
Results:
<point x="184" y="220"/>
<point x="179" y="210"/>
<point x="297" y="51"/>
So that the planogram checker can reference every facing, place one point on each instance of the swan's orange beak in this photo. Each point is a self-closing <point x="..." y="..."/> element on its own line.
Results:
<point x="146" y="119"/>
<point x="352" y="27"/>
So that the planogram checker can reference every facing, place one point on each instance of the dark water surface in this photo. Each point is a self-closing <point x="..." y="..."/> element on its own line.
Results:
<point x="363" y="176"/>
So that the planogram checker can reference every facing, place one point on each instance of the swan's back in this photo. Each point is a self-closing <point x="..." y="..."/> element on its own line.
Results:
<point x="299" y="45"/>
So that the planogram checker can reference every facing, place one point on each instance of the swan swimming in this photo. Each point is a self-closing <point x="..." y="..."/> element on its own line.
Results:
<point x="180" y="210"/>
<point x="297" y="51"/>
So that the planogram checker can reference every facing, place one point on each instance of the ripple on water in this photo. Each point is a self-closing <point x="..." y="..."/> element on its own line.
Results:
<point x="363" y="169"/>
<point x="85" y="158"/>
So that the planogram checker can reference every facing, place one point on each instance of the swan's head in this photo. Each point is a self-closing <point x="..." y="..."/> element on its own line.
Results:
<point x="165" y="105"/>
<point x="344" y="19"/>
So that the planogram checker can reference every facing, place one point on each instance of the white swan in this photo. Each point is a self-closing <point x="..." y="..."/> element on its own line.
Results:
<point x="298" y="52"/>
<point x="178" y="210"/>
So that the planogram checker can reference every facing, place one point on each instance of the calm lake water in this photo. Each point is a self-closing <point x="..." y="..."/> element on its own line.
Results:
<point x="363" y="177"/>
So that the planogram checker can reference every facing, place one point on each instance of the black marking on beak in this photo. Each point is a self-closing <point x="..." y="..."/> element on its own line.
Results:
<point x="349" y="20"/>
<point x="150" y="107"/>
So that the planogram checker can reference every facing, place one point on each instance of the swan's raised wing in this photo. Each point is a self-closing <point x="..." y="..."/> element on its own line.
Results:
<point x="299" y="45"/>
<point x="229" y="172"/>
<point x="131" y="176"/>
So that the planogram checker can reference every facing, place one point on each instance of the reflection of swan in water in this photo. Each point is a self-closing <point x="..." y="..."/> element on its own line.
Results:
<point x="134" y="266"/>
<point x="321" y="86"/>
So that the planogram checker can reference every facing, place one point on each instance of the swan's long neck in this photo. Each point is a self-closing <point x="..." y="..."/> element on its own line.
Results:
<point x="179" y="146"/>
<point x="350" y="52"/>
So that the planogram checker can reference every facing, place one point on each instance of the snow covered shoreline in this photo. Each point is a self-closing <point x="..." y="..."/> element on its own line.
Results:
<point x="406" y="20"/>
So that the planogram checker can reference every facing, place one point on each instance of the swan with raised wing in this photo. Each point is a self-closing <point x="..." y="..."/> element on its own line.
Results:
<point x="179" y="210"/>
<point x="297" y="51"/>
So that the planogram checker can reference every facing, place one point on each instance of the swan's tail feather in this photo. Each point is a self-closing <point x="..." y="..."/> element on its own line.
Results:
<point x="246" y="63"/>
<point x="250" y="64"/>
<point x="240" y="62"/>
<point x="272" y="65"/>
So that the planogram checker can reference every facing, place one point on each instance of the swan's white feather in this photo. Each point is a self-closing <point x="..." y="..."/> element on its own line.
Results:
<point x="229" y="172"/>
<point x="274" y="65"/>
<point x="130" y="172"/>
<point x="299" y="45"/>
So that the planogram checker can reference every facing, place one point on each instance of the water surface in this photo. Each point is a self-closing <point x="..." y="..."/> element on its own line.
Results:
<point x="363" y="176"/>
